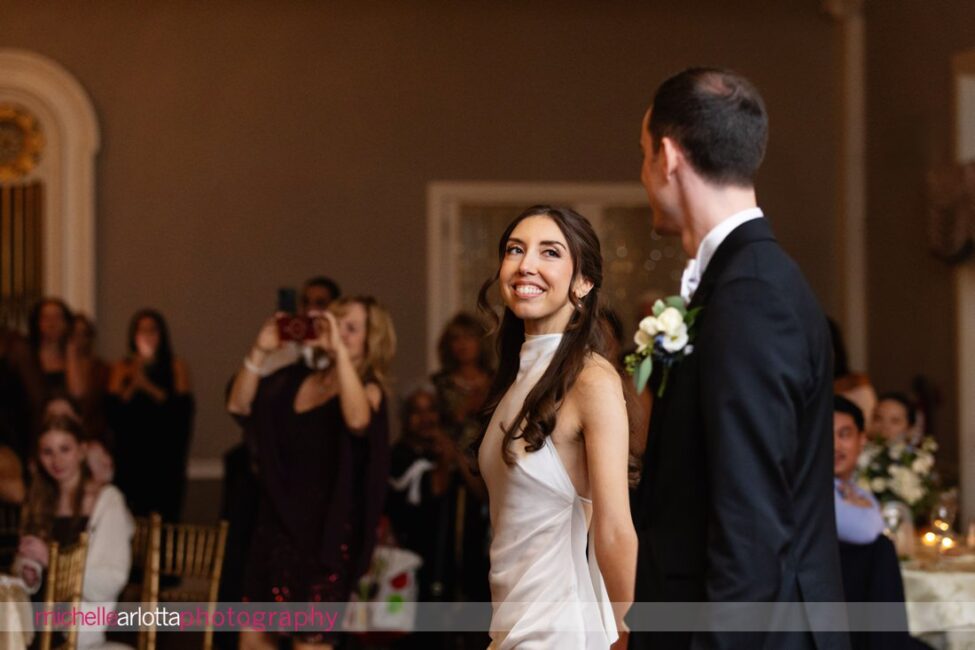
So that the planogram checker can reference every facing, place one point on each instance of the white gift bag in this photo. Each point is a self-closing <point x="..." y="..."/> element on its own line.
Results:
<point x="386" y="598"/>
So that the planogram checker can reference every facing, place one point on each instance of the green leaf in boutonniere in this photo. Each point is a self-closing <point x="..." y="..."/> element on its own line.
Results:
<point x="677" y="303"/>
<point x="642" y="375"/>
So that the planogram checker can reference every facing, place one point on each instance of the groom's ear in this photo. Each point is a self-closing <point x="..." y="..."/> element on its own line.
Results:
<point x="671" y="156"/>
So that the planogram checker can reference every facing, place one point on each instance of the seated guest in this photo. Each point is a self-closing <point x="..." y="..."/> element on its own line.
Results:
<point x="64" y="500"/>
<point x="100" y="460"/>
<point x="858" y="518"/>
<point x="894" y="418"/>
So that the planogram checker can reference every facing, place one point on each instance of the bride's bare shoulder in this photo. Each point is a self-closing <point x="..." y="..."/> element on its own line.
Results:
<point x="597" y="378"/>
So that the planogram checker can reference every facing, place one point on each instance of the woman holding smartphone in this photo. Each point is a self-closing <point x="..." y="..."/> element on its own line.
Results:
<point x="322" y="451"/>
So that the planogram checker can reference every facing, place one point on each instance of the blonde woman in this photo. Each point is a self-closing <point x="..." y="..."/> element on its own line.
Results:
<point x="322" y="449"/>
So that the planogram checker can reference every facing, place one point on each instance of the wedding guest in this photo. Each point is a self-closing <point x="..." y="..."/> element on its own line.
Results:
<point x="64" y="500"/>
<point x="100" y="461"/>
<point x="150" y="411"/>
<point x="858" y="518"/>
<point x="21" y="393"/>
<point x="316" y="295"/>
<point x="321" y="437"/>
<point x="466" y="371"/>
<point x="427" y="468"/>
<point x="894" y="418"/>
<point x="462" y="384"/>
<point x="56" y="350"/>
<point x="12" y="488"/>
<point x="97" y="372"/>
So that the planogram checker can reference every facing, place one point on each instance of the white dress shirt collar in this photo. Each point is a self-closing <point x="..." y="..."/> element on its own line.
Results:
<point x="711" y="241"/>
<point x="705" y="251"/>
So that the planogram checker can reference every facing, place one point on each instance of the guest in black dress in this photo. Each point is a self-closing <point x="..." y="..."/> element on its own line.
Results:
<point x="56" y="351"/>
<point x="323" y="459"/>
<point x="150" y="411"/>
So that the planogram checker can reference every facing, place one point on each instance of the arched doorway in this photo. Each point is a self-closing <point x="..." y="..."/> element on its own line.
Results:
<point x="48" y="141"/>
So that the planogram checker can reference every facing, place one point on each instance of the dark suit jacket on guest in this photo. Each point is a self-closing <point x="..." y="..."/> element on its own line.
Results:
<point x="736" y="498"/>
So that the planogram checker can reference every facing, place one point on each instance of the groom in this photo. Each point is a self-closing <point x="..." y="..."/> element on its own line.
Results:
<point x="735" y="502"/>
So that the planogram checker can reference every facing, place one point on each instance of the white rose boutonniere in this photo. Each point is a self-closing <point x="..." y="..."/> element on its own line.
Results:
<point x="665" y="338"/>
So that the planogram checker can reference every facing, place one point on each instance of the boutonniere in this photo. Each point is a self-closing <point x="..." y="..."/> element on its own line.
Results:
<point x="666" y="337"/>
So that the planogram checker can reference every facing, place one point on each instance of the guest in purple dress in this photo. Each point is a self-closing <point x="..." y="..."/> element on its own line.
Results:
<point x="322" y="447"/>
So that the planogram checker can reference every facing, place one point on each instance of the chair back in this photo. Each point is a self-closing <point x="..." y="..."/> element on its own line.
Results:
<point x="65" y="579"/>
<point x="145" y="566"/>
<point x="191" y="553"/>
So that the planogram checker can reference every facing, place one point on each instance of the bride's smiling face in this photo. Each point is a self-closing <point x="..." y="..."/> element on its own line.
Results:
<point x="536" y="276"/>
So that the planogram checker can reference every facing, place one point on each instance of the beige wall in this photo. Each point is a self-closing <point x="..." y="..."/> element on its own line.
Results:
<point x="248" y="145"/>
<point x="909" y="93"/>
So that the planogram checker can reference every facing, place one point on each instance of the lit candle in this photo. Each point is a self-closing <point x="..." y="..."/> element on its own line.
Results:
<point x="930" y="539"/>
<point x="947" y="543"/>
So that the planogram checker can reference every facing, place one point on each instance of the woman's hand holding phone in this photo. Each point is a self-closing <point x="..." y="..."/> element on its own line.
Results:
<point x="327" y="328"/>
<point x="268" y="340"/>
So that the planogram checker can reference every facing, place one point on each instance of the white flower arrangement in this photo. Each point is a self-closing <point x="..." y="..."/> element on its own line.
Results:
<point x="664" y="337"/>
<point x="897" y="471"/>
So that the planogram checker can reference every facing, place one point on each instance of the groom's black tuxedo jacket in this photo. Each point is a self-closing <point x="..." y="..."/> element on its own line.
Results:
<point x="736" y="497"/>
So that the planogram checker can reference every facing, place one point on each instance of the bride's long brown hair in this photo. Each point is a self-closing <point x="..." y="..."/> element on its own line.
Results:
<point x="583" y="335"/>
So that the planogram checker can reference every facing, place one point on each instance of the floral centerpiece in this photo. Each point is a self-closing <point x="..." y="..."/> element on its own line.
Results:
<point x="664" y="337"/>
<point x="898" y="471"/>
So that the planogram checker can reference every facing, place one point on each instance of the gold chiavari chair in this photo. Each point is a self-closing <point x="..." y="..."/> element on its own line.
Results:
<point x="194" y="555"/>
<point x="65" y="577"/>
<point x="145" y="564"/>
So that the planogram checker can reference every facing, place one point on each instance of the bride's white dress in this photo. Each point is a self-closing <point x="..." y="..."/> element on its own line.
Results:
<point x="545" y="592"/>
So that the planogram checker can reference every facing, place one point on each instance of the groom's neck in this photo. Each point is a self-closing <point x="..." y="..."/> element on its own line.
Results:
<point x="706" y="205"/>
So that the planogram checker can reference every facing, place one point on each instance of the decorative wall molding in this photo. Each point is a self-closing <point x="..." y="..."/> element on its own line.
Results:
<point x="851" y="224"/>
<point x="72" y="136"/>
<point x="963" y="70"/>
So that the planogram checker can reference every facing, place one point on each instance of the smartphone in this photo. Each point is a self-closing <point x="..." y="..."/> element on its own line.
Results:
<point x="296" y="328"/>
<point x="291" y="325"/>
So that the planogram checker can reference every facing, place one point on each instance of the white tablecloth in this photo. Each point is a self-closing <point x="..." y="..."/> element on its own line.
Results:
<point x="941" y="602"/>
<point x="16" y="626"/>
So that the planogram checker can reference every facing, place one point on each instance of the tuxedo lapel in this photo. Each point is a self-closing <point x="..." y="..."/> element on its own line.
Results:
<point x="747" y="233"/>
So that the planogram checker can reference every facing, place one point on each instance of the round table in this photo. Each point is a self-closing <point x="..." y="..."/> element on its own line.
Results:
<point x="940" y="597"/>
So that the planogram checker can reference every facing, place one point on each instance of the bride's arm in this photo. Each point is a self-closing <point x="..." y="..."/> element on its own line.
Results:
<point x="604" y="424"/>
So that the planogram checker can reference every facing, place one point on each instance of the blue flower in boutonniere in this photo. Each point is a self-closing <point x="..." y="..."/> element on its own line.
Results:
<point x="665" y="337"/>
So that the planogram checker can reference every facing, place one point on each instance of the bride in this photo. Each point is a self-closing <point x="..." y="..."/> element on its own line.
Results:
<point x="554" y="455"/>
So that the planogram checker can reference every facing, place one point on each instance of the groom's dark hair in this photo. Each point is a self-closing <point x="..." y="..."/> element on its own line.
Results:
<point x="717" y="118"/>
